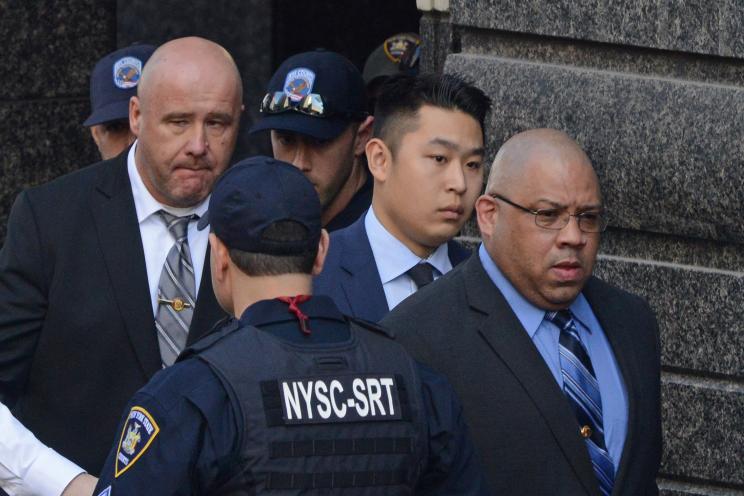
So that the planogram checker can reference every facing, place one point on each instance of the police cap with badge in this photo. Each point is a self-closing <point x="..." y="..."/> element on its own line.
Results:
<point x="114" y="81"/>
<point x="314" y="93"/>
<point x="399" y="53"/>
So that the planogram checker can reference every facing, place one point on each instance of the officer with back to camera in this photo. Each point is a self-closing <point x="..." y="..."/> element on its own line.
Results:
<point x="289" y="396"/>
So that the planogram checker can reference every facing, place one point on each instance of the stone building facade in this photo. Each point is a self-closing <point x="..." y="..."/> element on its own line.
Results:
<point x="654" y="91"/>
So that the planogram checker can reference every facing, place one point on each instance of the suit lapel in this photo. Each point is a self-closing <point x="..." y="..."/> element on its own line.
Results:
<point x="507" y="338"/>
<point x="361" y="284"/>
<point x="113" y="211"/>
<point x="457" y="253"/>
<point x="609" y="315"/>
<point x="207" y="311"/>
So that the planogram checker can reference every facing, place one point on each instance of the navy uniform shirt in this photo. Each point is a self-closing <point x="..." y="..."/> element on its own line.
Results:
<point x="179" y="435"/>
<point x="358" y="204"/>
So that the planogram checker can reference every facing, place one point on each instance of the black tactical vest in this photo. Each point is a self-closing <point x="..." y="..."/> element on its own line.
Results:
<point x="337" y="418"/>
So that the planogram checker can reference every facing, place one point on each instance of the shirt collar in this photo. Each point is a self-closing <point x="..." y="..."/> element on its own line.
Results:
<point x="392" y="257"/>
<point x="528" y="314"/>
<point x="145" y="204"/>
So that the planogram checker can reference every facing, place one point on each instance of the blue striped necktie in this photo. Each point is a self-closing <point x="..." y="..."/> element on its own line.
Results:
<point x="582" y="390"/>
<point x="176" y="291"/>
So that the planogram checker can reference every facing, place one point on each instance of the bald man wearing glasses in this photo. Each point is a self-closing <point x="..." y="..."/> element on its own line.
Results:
<point x="315" y="108"/>
<point x="557" y="370"/>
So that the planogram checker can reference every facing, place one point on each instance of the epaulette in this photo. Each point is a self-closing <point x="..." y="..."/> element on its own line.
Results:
<point x="370" y="326"/>
<point x="219" y="331"/>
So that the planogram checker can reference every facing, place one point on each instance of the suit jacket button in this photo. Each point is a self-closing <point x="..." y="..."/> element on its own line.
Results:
<point x="586" y="431"/>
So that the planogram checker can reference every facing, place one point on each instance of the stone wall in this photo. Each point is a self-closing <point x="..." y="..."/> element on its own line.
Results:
<point x="244" y="28"/>
<point x="654" y="91"/>
<point x="48" y="51"/>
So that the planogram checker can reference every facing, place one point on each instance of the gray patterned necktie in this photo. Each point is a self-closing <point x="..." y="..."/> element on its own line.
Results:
<point x="176" y="290"/>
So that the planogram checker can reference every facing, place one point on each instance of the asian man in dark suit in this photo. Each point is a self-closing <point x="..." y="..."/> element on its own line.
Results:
<point x="103" y="275"/>
<point x="426" y="158"/>
<point x="558" y="371"/>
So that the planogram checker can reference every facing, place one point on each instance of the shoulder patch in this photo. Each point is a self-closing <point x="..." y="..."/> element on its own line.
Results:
<point x="138" y="433"/>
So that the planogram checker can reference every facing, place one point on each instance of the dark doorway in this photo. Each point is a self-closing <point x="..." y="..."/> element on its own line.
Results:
<point x="352" y="28"/>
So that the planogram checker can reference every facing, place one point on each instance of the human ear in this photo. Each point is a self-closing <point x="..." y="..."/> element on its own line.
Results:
<point x="323" y="245"/>
<point x="379" y="159"/>
<point x="487" y="211"/>
<point x="363" y="135"/>
<point x="134" y="115"/>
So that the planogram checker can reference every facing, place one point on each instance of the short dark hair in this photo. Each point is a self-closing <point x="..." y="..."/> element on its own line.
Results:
<point x="261" y="264"/>
<point x="402" y="95"/>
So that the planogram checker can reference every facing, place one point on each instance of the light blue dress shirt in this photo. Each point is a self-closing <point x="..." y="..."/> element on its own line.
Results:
<point x="545" y="336"/>
<point x="393" y="260"/>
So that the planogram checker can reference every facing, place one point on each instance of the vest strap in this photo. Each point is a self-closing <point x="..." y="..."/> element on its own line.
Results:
<point x="330" y="447"/>
<point x="330" y="480"/>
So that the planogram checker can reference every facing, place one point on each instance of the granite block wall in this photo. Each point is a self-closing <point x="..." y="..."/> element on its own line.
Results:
<point x="48" y="50"/>
<point x="654" y="91"/>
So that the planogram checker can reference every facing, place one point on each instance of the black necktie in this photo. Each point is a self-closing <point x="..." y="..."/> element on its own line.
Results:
<point x="421" y="274"/>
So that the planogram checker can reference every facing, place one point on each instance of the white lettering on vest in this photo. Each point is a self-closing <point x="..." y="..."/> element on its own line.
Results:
<point x="292" y="401"/>
<point x="336" y="386"/>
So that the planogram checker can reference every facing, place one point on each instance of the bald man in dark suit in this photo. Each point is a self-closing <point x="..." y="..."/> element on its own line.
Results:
<point x="558" y="371"/>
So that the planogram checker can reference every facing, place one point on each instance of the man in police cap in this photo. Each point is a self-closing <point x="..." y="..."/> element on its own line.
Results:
<point x="113" y="82"/>
<point x="289" y="396"/>
<point x="315" y="107"/>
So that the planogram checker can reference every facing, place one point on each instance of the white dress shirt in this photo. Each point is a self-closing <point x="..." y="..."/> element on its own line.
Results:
<point x="27" y="466"/>
<point x="156" y="240"/>
<point x="394" y="259"/>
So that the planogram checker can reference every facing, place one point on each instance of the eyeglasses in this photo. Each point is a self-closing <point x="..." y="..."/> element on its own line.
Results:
<point x="558" y="218"/>
<point x="311" y="104"/>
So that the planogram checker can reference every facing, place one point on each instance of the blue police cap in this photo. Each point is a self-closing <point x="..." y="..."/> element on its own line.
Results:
<point x="322" y="73"/>
<point x="114" y="81"/>
<point x="256" y="193"/>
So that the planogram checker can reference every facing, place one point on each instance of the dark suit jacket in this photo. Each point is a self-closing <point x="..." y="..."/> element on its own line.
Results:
<point x="350" y="274"/>
<point x="77" y="333"/>
<point x="522" y="425"/>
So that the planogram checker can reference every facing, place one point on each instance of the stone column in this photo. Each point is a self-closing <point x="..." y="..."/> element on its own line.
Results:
<point x="49" y="49"/>
<point x="654" y="91"/>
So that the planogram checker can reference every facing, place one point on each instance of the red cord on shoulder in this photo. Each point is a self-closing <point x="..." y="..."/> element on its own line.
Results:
<point x="293" y="301"/>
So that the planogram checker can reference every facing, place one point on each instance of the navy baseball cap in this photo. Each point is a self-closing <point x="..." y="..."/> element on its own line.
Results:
<point x="256" y="193"/>
<point x="114" y="81"/>
<point x="314" y="93"/>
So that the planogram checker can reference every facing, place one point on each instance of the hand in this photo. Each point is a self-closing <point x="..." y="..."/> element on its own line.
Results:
<point x="82" y="485"/>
